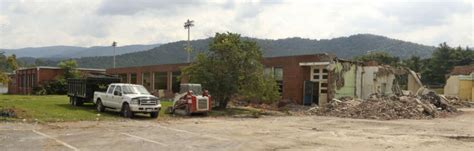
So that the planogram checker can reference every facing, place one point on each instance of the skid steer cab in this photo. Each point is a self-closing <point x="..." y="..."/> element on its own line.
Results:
<point x="191" y="99"/>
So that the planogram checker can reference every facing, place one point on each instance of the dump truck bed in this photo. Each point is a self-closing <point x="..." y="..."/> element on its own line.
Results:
<point x="85" y="87"/>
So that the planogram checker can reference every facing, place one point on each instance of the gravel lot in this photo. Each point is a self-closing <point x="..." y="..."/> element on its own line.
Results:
<point x="267" y="133"/>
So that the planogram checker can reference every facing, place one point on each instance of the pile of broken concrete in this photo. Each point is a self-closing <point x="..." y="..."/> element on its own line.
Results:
<point x="426" y="106"/>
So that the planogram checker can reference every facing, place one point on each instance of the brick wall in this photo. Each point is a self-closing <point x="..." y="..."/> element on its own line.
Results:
<point x="294" y="75"/>
<point x="164" y="68"/>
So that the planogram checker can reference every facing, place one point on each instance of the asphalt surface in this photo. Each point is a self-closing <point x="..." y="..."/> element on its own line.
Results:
<point x="267" y="133"/>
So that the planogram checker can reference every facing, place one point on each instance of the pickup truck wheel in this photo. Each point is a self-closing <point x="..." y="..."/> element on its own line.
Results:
<point x="126" y="112"/>
<point x="100" y="106"/>
<point x="154" y="114"/>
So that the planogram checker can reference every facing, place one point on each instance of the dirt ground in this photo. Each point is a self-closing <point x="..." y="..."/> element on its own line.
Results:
<point x="266" y="133"/>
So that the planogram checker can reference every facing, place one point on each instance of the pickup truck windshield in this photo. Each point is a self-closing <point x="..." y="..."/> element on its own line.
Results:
<point x="137" y="89"/>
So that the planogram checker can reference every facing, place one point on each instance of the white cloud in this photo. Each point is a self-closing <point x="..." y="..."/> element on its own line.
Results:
<point x="93" y="22"/>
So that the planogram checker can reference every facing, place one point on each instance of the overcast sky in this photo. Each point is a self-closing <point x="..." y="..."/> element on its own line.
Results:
<point x="30" y="23"/>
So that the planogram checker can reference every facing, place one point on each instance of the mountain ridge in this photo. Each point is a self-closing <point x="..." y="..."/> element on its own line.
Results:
<point x="343" y="47"/>
<point x="62" y="51"/>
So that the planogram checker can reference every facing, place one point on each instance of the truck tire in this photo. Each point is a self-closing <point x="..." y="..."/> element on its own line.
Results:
<point x="154" y="114"/>
<point x="74" y="101"/>
<point x="77" y="101"/>
<point x="126" y="112"/>
<point x="70" y="100"/>
<point x="100" y="107"/>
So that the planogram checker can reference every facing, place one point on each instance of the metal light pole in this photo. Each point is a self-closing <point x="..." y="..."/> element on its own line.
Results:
<point x="187" y="25"/>
<point x="114" y="44"/>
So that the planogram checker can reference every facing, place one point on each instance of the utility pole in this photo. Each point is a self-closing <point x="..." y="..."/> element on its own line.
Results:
<point x="114" y="44"/>
<point x="187" y="25"/>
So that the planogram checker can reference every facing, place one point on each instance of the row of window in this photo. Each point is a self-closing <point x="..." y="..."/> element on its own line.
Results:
<point x="154" y="80"/>
<point x="27" y="80"/>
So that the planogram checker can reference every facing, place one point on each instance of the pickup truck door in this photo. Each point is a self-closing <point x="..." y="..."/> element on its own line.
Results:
<point x="117" y="97"/>
<point x="106" y="99"/>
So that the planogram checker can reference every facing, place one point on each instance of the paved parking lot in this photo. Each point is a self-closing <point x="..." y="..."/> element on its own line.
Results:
<point x="267" y="133"/>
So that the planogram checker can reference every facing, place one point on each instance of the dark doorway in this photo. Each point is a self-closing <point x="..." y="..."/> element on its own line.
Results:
<point x="311" y="93"/>
<point x="316" y="93"/>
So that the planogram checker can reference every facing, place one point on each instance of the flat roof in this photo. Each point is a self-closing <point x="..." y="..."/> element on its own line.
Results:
<point x="58" y="68"/>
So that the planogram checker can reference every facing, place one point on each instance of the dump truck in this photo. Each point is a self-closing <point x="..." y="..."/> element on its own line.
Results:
<point x="191" y="99"/>
<point x="81" y="90"/>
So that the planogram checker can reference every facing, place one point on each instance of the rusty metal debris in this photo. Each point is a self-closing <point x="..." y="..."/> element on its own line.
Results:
<point x="7" y="112"/>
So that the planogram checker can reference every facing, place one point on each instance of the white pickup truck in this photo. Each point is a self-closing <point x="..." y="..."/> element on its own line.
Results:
<point x="127" y="99"/>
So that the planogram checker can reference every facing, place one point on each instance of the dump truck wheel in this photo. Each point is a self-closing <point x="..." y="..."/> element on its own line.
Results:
<point x="74" y="101"/>
<point x="126" y="112"/>
<point x="70" y="100"/>
<point x="79" y="102"/>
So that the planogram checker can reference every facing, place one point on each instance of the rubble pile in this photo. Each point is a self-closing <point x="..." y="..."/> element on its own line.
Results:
<point x="427" y="106"/>
<point x="458" y="103"/>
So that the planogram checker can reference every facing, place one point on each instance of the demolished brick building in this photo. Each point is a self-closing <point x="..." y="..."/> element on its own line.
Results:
<point x="304" y="79"/>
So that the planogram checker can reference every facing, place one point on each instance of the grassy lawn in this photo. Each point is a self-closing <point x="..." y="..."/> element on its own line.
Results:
<point x="56" y="108"/>
<point x="51" y="108"/>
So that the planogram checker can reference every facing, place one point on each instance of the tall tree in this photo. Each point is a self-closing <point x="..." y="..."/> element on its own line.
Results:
<point x="7" y="64"/>
<point x="414" y="63"/>
<point x="443" y="60"/>
<point x="70" y="68"/>
<point x="232" y="66"/>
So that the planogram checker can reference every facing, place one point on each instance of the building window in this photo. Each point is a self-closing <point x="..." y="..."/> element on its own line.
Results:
<point x="123" y="78"/>
<point x="325" y="76"/>
<point x="146" y="80"/>
<point x="175" y="83"/>
<point x="277" y="74"/>
<point x="133" y="78"/>
<point x="268" y="71"/>
<point x="161" y="80"/>
<point x="315" y="70"/>
<point x="316" y="77"/>
<point x="34" y="80"/>
<point x="323" y="85"/>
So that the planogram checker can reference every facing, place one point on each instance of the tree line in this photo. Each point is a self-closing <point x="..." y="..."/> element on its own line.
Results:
<point x="433" y="70"/>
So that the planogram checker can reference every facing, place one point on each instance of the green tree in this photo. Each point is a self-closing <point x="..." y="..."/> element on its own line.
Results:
<point x="380" y="57"/>
<point x="443" y="60"/>
<point x="232" y="66"/>
<point x="414" y="63"/>
<point x="7" y="64"/>
<point x="39" y="62"/>
<point x="70" y="68"/>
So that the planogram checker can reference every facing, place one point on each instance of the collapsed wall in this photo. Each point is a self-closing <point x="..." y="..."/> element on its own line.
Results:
<point x="353" y="79"/>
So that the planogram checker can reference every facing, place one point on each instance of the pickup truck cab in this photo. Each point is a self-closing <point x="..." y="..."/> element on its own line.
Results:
<point x="127" y="99"/>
